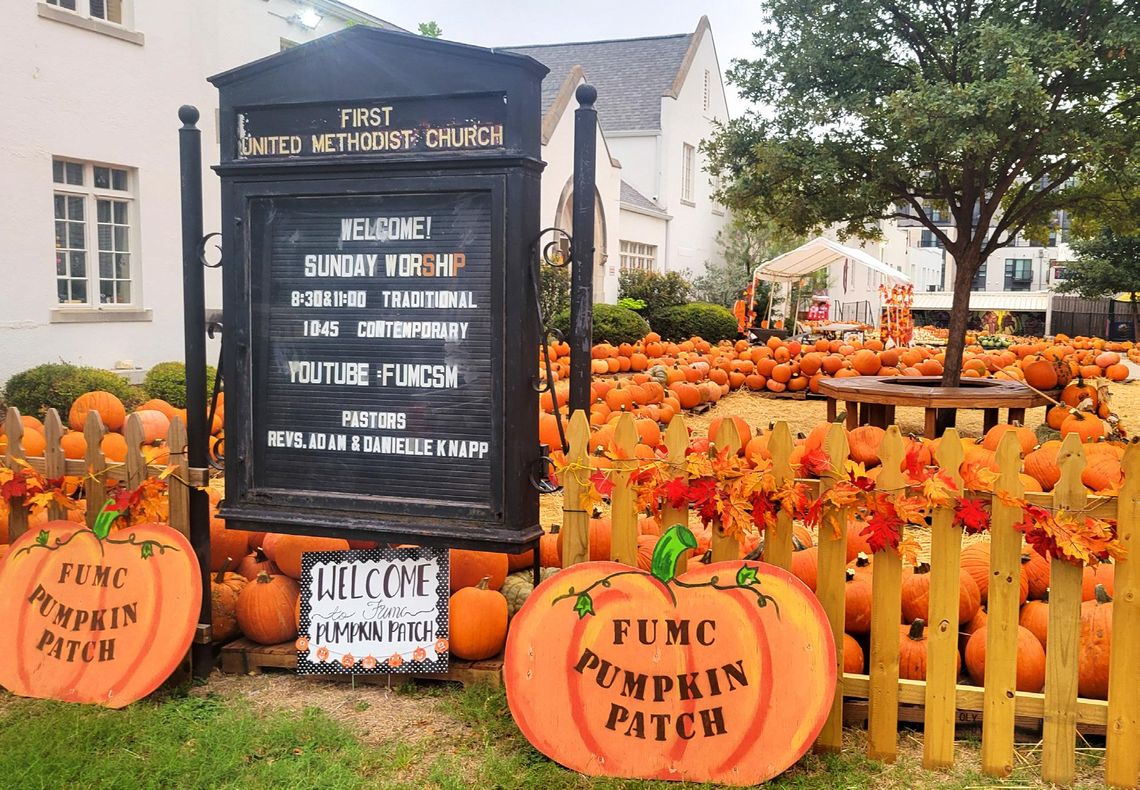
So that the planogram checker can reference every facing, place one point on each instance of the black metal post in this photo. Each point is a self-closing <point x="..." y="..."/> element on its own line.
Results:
<point x="582" y="233"/>
<point x="194" y="327"/>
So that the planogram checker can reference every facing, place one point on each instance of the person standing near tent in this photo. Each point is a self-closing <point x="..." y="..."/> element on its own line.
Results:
<point x="741" y="312"/>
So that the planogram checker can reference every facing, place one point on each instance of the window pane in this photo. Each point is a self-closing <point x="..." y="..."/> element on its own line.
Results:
<point x="60" y="264"/>
<point x="105" y="238"/>
<point x="60" y="234"/>
<point x="68" y="4"/>
<point x="102" y="177"/>
<point x="60" y="207"/>
<point x="75" y="236"/>
<point x="74" y="173"/>
<point x="121" y="213"/>
<point x="75" y="208"/>
<point x="105" y="270"/>
<point x="79" y="290"/>
<point x="119" y="179"/>
<point x="62" y="291"/>
<point x="97" y="9"/>
<point x="57" y="171"/>
<point x="103" y="210"/>
<point x="124" y="292"/>
<point x="79" y="265"/>
<point x="120" y="239"/>
<point x="106" y="291"/>
<point x="122" y="266"/>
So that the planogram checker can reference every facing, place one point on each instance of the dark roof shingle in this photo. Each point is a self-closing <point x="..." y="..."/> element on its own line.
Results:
<point x="631" y="76"/>
<point x="632" y="197"/>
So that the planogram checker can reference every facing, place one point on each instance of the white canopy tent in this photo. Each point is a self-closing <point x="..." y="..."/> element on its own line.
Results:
<point x="819" y="253"/>
<point x="815" y="255"/>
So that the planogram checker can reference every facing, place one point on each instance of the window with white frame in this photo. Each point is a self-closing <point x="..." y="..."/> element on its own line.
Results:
<point x="635" y="255"/>
<point x="94" y="210"/>
<point x="688" y="165"/>
<point x="107" y="10"/>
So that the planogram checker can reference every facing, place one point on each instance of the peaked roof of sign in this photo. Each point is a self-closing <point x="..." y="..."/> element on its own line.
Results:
<point x="631" y="74"/>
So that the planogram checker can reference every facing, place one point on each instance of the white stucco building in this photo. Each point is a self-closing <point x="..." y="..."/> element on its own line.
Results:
<point x="90" y="220"/>
<point x="658" y="98"/>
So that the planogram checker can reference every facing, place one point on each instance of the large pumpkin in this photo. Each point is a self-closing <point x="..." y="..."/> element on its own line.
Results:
<point x="651" y="676"/>
<point x="110" y="408"/>
<point x="1030" y="659"/>
<point x="1103" y="575"/>
<point x="1034" y="618"/>
<point x="469" y="568"/>
<point x="857" y="603"/>
<point x="287" y="551"/>
<point x="853" y="660"/>
<point x="916" y="594"/>
<point x="227" y="546"/>
<point x="141" y="585"/>
<point x="266" y="609"/>
<point x="478" y="620"/>
<point x="913" y="645"/>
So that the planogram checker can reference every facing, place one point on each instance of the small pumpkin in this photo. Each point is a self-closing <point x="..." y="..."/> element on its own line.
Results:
<point x="1096" y="645"/>
<point x="857" y="603"/>
<point x="916" y="594"/>
<point x="1030" y="659"/>
<point x="913" y="645"/>
<point x="1037" y="572"/>
<point x="224" y="591"/>
<point x="469" y="568"/>
<point x="478" y="617"/>
<point x="550" y="549"/>
<point x="966" y="630"/>
<point x="226" y="545"/>
<point x="266" y="609"/>
<point x="853" y="660"/>
<point x="1103" y="575"/>
<point x="254" y="563"/>
<point x="805" y="566"/>
<point x="1034" y="618"/>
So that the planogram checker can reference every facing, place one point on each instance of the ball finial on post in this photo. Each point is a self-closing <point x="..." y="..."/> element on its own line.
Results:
<point x="188" y="114"/>
<point x="586" y="94"/>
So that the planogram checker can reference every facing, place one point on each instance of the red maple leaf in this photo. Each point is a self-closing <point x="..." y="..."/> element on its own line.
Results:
<point x="602" y="483"/>
<point x="914" y="467"/>
<point x="676" y="492"/>
<point x="816" y="462"/>
<point x="972" y="516"/>
<point x="763" y="511"/>
<point x="16" y="488"/>
<point x="883" y="530"/>
<point x="703" y="496"/>
<point x="862" y="482"/>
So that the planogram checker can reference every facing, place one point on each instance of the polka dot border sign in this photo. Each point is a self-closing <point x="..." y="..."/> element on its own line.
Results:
<point x="314" y="659"/>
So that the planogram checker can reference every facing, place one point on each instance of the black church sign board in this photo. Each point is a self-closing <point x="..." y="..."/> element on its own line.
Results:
<point x="379" y="199"/>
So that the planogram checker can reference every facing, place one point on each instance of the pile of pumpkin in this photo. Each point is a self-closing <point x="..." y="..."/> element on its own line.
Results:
<point x="154" y="416"/>
<point x="787" y="365"/>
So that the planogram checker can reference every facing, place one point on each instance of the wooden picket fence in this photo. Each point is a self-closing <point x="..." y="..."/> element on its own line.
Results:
<point x="96" y="471"/>
<point x="1059" y="707"/>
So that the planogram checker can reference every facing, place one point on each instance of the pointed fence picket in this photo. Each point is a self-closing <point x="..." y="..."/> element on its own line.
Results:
<point x="1059" y="708"/>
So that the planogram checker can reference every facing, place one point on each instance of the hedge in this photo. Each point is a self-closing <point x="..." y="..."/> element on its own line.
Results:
<point x="167" y="380"/>
<point x="57" y="385"/>
<point x="709" y="321"/>
<point x="612" y="324"/>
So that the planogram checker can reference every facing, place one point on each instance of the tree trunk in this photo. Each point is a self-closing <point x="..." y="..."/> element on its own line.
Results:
<point x="959" y="317"/>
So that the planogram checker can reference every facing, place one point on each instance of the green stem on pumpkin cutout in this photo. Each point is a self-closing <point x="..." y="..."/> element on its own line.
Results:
<point x="103" y="522"/>
<point x="673" y="543"/>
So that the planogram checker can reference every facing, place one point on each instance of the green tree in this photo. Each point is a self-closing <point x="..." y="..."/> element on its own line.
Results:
<point x="745" y="243"/>
<point x="996" y="113"/>
<point x="430" y="29"/>
<point x="1106" y="265"/>
<point x="657" y="291"/>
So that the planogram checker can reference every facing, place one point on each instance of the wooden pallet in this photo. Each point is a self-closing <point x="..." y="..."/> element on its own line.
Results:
<point x="243" y="657"/>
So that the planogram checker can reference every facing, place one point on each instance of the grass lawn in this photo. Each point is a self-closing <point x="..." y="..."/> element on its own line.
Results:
<point x="279" y="731"/>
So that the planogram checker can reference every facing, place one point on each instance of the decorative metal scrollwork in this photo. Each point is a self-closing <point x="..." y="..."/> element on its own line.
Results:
<point x="540" y="477"/>
<point x="552" y="253"/>
<point x="202" y="251"/>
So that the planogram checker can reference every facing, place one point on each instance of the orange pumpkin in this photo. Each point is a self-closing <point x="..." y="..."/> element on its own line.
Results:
<point x="1095" y="646"/>
<point x="916" y="594"/>
<point x="1087" y="426"/>
<point x="1041" y="465"/>
<point x="154" y="423"/>
<point x="227" y="546"/>
<point x="1025" y="437"/>
<point x="788" y="661"/>
<point x="853" y="661"/>
<point x="1034" y="618"/>
<point x="1103" y="472"/>
<point x="73" y="444"/>
<point x="224" y="590"/>
<point x="469" y="568"/>
<point x="109" y="407"/>
<point x="865" y="442"/>
<point x="478" y="621"/>
<point x="254" y="563"/>
<point x="913" y="644"/>
<point x="1103" y="574"/>
<point x="857" y="603"/>
<point x="287" y="551"/>
<point x="1030" y="660"/>
<point x="114" y="447"/>
<point x="158" y="404"/>
<point x="266" y="609"/>
<point x="155" y="597"/>
<point x="805" y="564"/>
<point x="1036" y="569"/>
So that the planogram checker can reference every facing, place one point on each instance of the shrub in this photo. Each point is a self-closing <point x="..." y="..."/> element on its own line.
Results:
<point x="55" y="386"/>
<point x="612" y="324"/>
<point x="709" y="321"/>
<point x="167" y="380"/>
<point x="656" y="291"/>
<point x="554" y="290"/>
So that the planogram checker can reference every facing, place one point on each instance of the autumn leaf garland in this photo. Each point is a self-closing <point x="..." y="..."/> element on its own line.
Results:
<point x="725" y="487"/>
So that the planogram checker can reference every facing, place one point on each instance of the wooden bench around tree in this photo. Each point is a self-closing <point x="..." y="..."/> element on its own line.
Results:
<point x="871" y="400"/>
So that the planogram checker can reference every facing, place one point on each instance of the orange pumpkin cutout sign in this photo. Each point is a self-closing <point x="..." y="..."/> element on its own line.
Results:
<point x="723" y="674"/>
<point x="95" y="616"/>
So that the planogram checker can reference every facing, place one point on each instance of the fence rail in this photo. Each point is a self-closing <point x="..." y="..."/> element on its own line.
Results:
<point x="1059" y="707"/>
